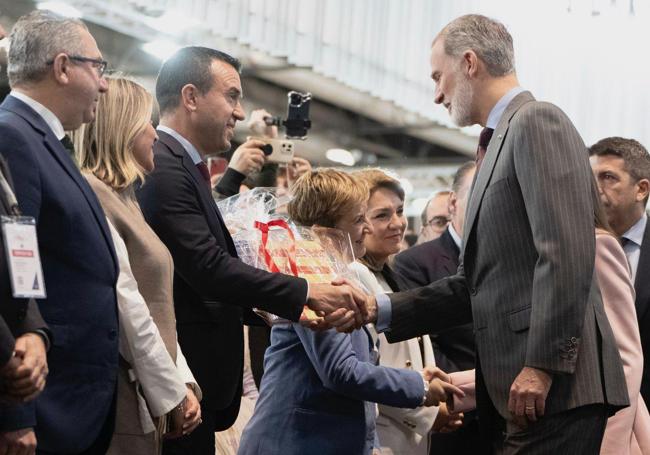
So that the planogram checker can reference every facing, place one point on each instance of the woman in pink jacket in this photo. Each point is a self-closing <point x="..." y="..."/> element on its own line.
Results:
<point x="628" y="431"/>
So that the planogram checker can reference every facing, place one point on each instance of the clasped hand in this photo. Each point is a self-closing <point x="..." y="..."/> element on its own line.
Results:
<point x="440" y="387"/>
<point x="340" y="305"/>
<point x="23" y="377"/>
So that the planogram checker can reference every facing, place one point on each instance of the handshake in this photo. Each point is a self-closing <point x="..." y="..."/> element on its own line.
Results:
<point x="439" y="389"/>
<point x="340" y="305"/>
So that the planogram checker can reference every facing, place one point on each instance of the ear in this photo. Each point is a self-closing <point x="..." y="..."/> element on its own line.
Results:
<point x="644" y="188"/>
<point x="189" y="97"/>
<point x="470" y="62"/>
<point x="452" y="204"/>
<point x="61" y="66"/>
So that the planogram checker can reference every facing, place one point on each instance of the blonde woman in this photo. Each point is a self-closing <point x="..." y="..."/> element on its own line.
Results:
<point x="319" y="388"/>
<point x="156" y="389"/>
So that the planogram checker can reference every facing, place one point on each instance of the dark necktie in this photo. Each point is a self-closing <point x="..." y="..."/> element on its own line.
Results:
<point x="483" y="142"/>
<point x="69" y="146"/>
<point x="203" y="169"/>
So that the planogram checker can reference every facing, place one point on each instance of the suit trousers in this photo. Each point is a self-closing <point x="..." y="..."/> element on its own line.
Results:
<point x="102" y="441"/>
<point x="577" y="431"/>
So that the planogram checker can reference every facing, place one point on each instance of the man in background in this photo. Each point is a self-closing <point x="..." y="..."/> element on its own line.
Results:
<point x="434" y="218"/>
<point x="622" y="170"/>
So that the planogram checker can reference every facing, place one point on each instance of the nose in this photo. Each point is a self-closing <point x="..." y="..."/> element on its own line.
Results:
<point x="103" y="85"/>
<point x="239" y="113"/>
<point x="438" y="97"/>
<point x="367" y="227"/>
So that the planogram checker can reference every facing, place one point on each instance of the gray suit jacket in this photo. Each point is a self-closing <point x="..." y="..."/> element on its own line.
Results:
<point x="527" y="273"/>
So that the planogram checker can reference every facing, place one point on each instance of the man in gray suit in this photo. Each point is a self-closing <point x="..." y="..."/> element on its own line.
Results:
<point x="548" y="370"/>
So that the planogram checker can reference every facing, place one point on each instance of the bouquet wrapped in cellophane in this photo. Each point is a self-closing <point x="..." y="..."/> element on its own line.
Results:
<point x="266" y="239"/>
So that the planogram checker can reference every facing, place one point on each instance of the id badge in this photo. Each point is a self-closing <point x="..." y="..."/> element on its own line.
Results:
<point x="23" y="258"/>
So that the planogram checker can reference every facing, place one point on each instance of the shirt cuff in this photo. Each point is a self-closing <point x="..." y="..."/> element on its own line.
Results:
<point x="45" y="337"/>
<point x="384" y="312"/>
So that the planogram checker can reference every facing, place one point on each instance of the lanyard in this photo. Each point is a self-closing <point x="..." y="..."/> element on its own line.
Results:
<point x="9" y="195"/>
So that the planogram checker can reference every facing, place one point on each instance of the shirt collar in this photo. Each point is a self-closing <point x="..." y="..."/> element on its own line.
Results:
<point x="635" y="233"/>
<point x="500" y="107"/>
<point x="187" y="145"/>
<point x="52" y="120"/>
<point x="454" y="235"/>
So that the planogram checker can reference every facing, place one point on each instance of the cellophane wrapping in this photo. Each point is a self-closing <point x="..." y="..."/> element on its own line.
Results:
<point x="266" y="239"/>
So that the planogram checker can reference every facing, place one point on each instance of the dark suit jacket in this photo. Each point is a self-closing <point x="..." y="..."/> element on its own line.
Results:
<point x="80" y="272"/>
<point x="423" y="264"/>
<point x="527" y="275"/>
<point x="642" y="289"/>
<point x="17" y="316"/>
<point x="212" y="288"/>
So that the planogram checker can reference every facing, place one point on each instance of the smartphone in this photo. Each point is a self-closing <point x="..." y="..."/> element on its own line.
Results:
<point x="278" y="150"/>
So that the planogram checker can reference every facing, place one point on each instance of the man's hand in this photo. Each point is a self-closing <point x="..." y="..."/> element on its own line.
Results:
<point x="249" y="157"/>
<point x="19" y="442"/>
<point x="340" y="304"/>
<point x="258" y="126"/>
<point x="528" y="395"/>
<point x="447" y="421"/>
<point x="28" y="379"/>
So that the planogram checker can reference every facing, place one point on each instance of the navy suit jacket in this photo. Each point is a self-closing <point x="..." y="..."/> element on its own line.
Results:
<point x="213" y="290"/>
<point x="80" y="271"/>
<point x="642" y="288"/>
<point x="17" y="316"/>
<point x="317" y="392"/>
<point x="426" y="263"/>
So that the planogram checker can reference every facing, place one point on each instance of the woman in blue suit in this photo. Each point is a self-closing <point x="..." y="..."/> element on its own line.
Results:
<point x="319" y="388"/>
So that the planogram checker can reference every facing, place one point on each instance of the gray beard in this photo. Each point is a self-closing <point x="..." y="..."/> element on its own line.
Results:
<point x="461" y="113"/>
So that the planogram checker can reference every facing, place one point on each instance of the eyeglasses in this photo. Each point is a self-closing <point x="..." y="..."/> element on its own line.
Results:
<point x="99" y="64"/>
<point x="438" y="221"/>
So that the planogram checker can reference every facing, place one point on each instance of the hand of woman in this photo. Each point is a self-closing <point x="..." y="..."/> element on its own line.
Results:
<point x="192" y="417"/>
<point x="447" y="421"/>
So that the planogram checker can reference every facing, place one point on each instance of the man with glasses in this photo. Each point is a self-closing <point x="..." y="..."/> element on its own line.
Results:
<point x="435" y="217"/>
<point x="56" y="75"/>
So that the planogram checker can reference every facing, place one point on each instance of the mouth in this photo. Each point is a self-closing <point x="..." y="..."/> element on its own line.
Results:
<point x="448" y="106"/>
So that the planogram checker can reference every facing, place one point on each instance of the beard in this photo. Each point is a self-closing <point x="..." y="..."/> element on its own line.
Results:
<point x="461" y="104"/>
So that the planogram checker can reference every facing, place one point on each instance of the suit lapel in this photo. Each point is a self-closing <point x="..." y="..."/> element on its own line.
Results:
<point x="642" y="271"/>
<point x="482" y="178"/>
<point x="203" y="190"/>
<point x="5" y="172"/>
<point x="60" y="154"/>
<point x="450" y="252"/>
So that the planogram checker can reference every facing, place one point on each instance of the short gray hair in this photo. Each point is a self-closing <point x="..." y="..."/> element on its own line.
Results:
<point x="35" y="40"/>
<point x="488" y="38"/>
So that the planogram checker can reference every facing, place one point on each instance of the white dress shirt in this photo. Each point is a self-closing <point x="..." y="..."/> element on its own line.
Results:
<point x="163" y="383"/>
<point x="632" y="246"/>
<point x="52" y="120"/>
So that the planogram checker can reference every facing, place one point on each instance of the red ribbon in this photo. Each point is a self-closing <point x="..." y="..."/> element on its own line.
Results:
<point x="268" y="259"/>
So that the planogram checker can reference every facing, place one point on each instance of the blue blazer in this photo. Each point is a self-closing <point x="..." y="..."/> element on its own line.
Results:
<point x="317" y="394"/>
<point x="80" y="271"/>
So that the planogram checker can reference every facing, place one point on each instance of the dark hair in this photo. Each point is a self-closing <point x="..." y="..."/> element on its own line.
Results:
<point x="633" y="154"/>
<point x="189" y="65"/>
<point x="459" y="176"/>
